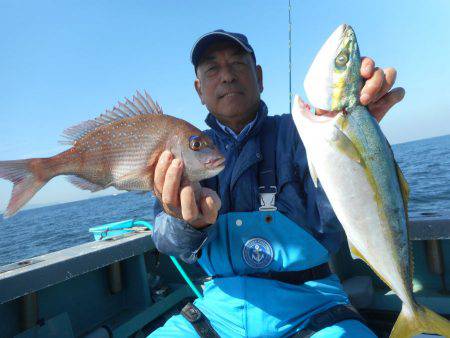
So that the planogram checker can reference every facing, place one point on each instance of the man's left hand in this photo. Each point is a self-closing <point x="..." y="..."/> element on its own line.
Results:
<point x="376" y="93"/>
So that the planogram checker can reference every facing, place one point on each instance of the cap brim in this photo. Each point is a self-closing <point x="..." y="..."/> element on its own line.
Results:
<point x="206" y="40"/>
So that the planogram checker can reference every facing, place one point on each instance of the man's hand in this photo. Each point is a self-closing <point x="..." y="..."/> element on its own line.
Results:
<point x="376" y="93"/>
<point x="178" y="198"/>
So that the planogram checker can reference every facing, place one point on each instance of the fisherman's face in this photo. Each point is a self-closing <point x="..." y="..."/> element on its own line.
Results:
<point x="228" y="82"/>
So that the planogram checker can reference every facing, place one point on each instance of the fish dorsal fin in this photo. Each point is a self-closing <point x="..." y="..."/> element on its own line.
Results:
<point x="404" y="190"/>
<point x="139" y="105"/>
<point x="404" y="187"/>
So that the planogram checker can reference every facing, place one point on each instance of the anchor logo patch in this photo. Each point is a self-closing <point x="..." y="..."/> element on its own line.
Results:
<point x="257" y="253"/>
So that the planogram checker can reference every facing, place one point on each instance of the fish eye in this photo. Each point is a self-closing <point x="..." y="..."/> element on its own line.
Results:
<point x="194" y="143"/>
<point x="342" y="59"/>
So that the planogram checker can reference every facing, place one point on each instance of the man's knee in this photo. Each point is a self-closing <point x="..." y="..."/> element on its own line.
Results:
<point x="345" y="329"/>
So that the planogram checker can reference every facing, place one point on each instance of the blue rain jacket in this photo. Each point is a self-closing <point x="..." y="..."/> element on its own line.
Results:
<point x="237" y="185"/>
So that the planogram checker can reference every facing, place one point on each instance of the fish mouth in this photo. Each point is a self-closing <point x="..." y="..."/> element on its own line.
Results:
<point x="305" y="111"/>
<point x="215" y="163"/>
<point x="348" y="31"/>
<point x="342" y="31"/>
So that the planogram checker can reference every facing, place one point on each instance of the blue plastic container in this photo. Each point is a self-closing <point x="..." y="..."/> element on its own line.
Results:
<point x="118" y="228"/>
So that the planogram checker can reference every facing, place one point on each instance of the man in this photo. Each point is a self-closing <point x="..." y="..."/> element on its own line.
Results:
<point x="262" y="230"/>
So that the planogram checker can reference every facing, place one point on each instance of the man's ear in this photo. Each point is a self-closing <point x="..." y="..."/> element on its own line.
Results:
<point x="259" y="75"/>
<point x="198" y="88"/>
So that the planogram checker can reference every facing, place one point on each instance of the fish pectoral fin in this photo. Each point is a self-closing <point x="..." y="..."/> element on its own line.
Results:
<point x="132" y="175"/>
<point x="312" y="171"/>
<point x="344" y="144"/>
<point x="132" y="181"/>
<point x="84" y="184"/>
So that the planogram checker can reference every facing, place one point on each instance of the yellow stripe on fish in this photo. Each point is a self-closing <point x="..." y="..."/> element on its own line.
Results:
<point x="337" y="93"/>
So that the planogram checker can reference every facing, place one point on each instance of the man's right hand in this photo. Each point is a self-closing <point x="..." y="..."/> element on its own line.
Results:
<point x="178" y="197"/>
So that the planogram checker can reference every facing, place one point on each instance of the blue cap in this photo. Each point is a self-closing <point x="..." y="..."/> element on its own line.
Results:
<point x="218" y="35"/>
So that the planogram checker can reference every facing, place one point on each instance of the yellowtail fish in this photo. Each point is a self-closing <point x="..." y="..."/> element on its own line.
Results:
<point x="117" y="149"/>
<point x="348" y="153"/>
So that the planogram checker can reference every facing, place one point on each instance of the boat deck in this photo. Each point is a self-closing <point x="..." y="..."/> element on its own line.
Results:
<point x="122" y="287"/>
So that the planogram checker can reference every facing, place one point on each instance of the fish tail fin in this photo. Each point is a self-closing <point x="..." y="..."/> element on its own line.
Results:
<point x="421" y="320"/>
<point x="27" y="176"/>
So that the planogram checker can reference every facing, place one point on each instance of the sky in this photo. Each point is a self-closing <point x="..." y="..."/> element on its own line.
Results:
<point x="63" y="62"/>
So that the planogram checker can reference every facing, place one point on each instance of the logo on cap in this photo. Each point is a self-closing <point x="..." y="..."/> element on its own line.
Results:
<point x="257" y="253"/>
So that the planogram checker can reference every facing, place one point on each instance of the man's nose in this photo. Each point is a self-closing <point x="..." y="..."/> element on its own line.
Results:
<point x="227" y="74"/>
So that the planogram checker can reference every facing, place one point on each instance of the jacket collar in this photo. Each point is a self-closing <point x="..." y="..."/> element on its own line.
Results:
<point x="211" y="121"/>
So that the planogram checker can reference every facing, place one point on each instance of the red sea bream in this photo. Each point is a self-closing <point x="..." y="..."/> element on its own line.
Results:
<point x="117" y="149"/>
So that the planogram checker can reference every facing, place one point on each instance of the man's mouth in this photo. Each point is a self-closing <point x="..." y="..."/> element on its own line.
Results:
<point x="230" y="94"/>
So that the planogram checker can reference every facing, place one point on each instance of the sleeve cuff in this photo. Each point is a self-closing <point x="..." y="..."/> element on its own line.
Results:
<point x="176" y="237"/>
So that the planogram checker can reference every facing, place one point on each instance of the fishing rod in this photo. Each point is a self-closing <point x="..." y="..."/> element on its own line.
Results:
<point x="290" y="58"/>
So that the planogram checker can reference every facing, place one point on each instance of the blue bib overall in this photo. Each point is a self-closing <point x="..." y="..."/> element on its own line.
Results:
<point x="238" y="305"/>
<point x="242" y="306"/>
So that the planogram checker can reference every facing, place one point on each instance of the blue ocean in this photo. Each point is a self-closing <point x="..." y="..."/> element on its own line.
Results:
<point x="33" y="232"/>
